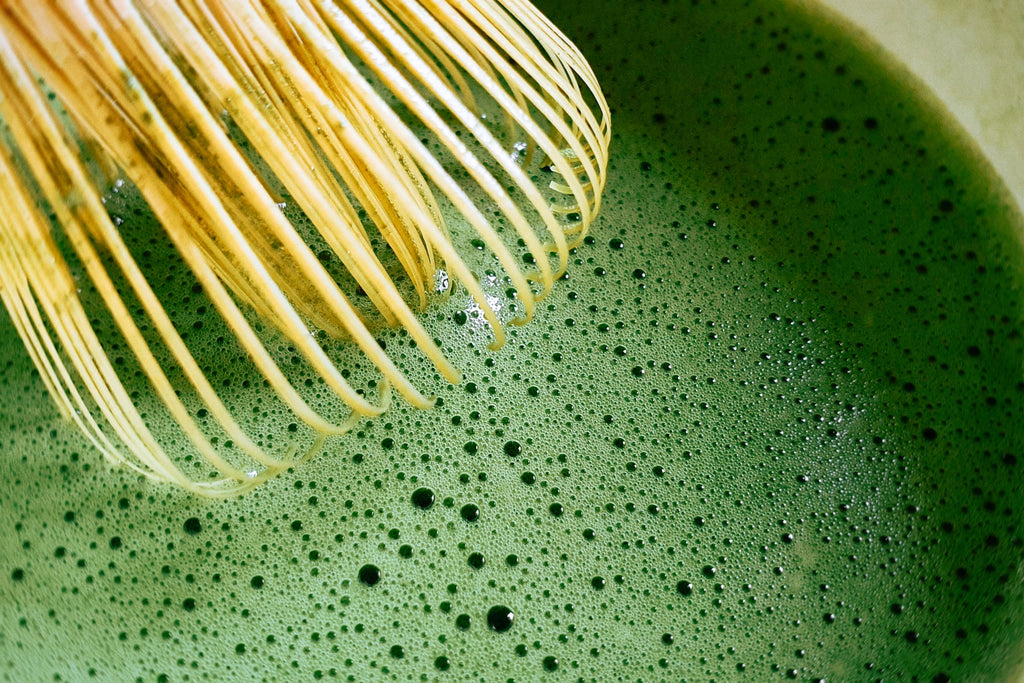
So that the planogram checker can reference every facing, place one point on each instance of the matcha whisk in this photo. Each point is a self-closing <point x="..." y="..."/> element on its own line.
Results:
<point x="380" y="119"/>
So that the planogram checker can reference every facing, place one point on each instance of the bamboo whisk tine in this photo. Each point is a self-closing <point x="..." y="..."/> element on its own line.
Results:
<point x="398" y="129"/>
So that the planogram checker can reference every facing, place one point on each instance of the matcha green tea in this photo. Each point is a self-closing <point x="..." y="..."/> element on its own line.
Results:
<point x="769" y="426"/>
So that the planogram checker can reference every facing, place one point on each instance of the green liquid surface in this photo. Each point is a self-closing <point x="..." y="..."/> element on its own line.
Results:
<point x="769" y="427"/>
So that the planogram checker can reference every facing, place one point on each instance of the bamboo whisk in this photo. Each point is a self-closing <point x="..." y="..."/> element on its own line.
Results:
<point x="379" y="119"/>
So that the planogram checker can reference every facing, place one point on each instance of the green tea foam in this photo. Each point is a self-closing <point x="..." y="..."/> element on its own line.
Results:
<point x="769" y="426"/>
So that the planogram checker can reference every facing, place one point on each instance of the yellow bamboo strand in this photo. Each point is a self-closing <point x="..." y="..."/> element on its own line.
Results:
<point x="210" y="108"/>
